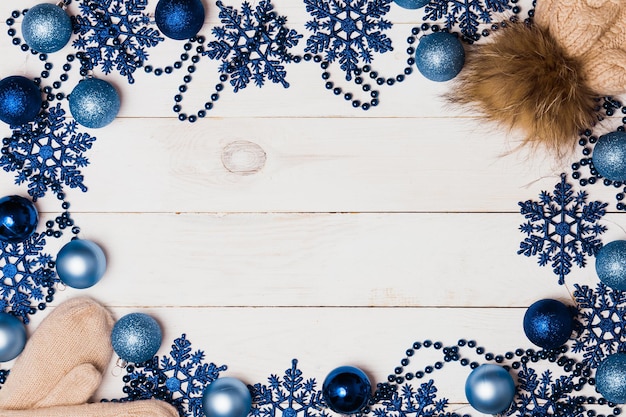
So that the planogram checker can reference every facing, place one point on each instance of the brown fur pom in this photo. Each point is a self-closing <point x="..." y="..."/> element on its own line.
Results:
<point x="522" y="79"/>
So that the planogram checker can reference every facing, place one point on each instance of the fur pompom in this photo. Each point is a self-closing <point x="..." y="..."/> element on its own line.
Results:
<point x="523" y="79"/>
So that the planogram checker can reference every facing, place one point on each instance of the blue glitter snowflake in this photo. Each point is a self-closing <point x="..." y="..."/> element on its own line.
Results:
<point x="47" y="153"/>
<point x="467" y="14"/>
<point x="114" y="34"/>
<point x="420" y="403"/>
<point x="290" y="397"/>
<point x="179" y="378"/>
<point x="252" y="45"/>
<point x="348" y="30"/>
<point x="562" y="228"/>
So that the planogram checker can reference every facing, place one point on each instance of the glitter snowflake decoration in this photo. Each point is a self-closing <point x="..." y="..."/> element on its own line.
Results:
<point x="179" y="378"/>
<point x="114" y="34"/>
<point x="603" y="316"/>
<point x="348" y="31"/>
<point x="468" y="15"/>
<point x="47" y="153"/>
<point x="562" y="228"/>
<point x="253" y="45"/>
<point x="414" y="403"/>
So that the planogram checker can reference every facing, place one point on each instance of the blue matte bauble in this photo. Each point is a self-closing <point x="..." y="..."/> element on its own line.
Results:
<point x="611" y="378"/>
<point x="20" y="100"/>
<point x="136" y="337"/>
<point x="411" y="4"/>
<point x="94" y="103"/>
<point x="179" y="19"/>
<point x="226" y="397"/>
<point x="80" y="263"/>
<point x="440" y="56"/>
<point x="346" y="389"/>
<point x="548" y="323"/>
<point x="18" y="219"/>
<point x="12" y="337"/>
<point x="46" y="28"/>
<point x="611" y="264"/>
<point x="490" y="389"/>
<point x="609" y="156"/>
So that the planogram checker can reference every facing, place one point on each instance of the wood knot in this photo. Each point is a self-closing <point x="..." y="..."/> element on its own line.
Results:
<point x="243" y="157"/>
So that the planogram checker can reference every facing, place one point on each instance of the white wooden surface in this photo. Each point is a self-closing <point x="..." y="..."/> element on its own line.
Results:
<point x="289" y="225"/>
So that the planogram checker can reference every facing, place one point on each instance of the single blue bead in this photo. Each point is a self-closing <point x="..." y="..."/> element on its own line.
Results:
<point x="179" y="19"/>
<point x="226" y="397"/>
<point x="548" y="323"/>
<point x="94" y="103"/>
<point x="440" y="56"/>
<point x="80" y="263"/>
<point x="609" y="156"/>
<point x="490" y="389"/>
<point x="136" y="337"/>
<point x="46" y="28"/>
<point x="20" y="100"/>
<point x="18" y="219"/>
<point x="411" y="4"/>
<point x="611" y="264"/>
<point x="611" y="378"/>
<point x="346" y="390"/>
<point x="12" y="337"/>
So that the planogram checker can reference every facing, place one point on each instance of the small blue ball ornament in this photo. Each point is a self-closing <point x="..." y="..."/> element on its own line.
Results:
<point x="80" y="263"/>
<point x="136" y="337"/>
<point x="611" y="378"/>
<point x="412" y="4"/>
<point x="12" y="337"/>
<point x="46" y="28"/>
<point x="346" y="390"/>
<point x="609" y="156"/>
<point x="226" y="397"/>
<point x="179" y="19"/>
<point x="490" y="389"/>
<point x="18" y="219"/>
<point x="548" y="323"/>
<point x="611" y="264"/>
<point x="440" y="56"/>
<point x="20" y="100"/>
<point x="94" y="103"/>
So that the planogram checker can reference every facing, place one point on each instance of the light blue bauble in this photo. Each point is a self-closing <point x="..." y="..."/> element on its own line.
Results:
<point x="411" y="4"/>
<point x="440" y="56"/>
<point x="20" y="100"/>
<point x="80" y="264"/>
<point x="136" y="337"/>
<point x="226" y="397"/>
<point x="490" y="389"/>
<point x="94" y="103"/>
<point x="46" y="28"/>
<point x="611" y="378"/>
<point x="179" y="19"/>
<point x="611" y="264"/>
<point x="12" y="337"/>
<point x="609" y="156"/>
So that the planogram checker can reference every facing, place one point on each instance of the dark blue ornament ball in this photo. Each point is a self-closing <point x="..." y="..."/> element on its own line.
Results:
<point x="18" y="219"/>
<point x="440" y="56"/>
<point x="94" y="103"/>
<point x="46" y="28"/>
<point x="490" y="389"/>
<point x="12" y="337"/>
<point x="346" y="390"/>
<point x="20" y="100"/>
<point x="179" y="19"/>
<point x="548" y="323"/>
<point x="80" y="263"/>
<point x="611" y="378"/>
<point x="412" y="4"/>
<point x="136" y="337"/>
<point x="611" y="264"/>
<point x="609" y="156"/>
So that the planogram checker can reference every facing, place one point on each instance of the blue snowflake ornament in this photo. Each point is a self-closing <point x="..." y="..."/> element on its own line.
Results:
<point x="253" y="45"/>
<point x="348" y="31"/>
<point x="562" y="228"/>
<point x="113" y="34"/>
<point x="47" y="153"/>
<point x="422" y="402"/>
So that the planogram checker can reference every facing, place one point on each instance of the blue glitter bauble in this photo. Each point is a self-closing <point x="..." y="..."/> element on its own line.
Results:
<point x="440" y="56"/>
<point x="226" y="397"/>
<point x="136" y="337"/>
<point x="611" y="378"/>
<point x="46" y="28"/>
<point x="411" y="4"/>
<point x="346" y="390"/>
<point x="94" y="103"/>
<point x="179" y="19"/>
<point x="490" y="389"/>
<point x="80" y="263"/>
<point x="20" y="100"/>
<point x="18" y="219"/>
<point x="609" y="156"/>
<point x="611" y="264"/>
<point x="548" y="323"/>
<point x="12" y="337"/>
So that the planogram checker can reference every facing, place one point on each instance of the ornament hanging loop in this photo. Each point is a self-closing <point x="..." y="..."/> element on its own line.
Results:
<point x="118" y="369"/>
